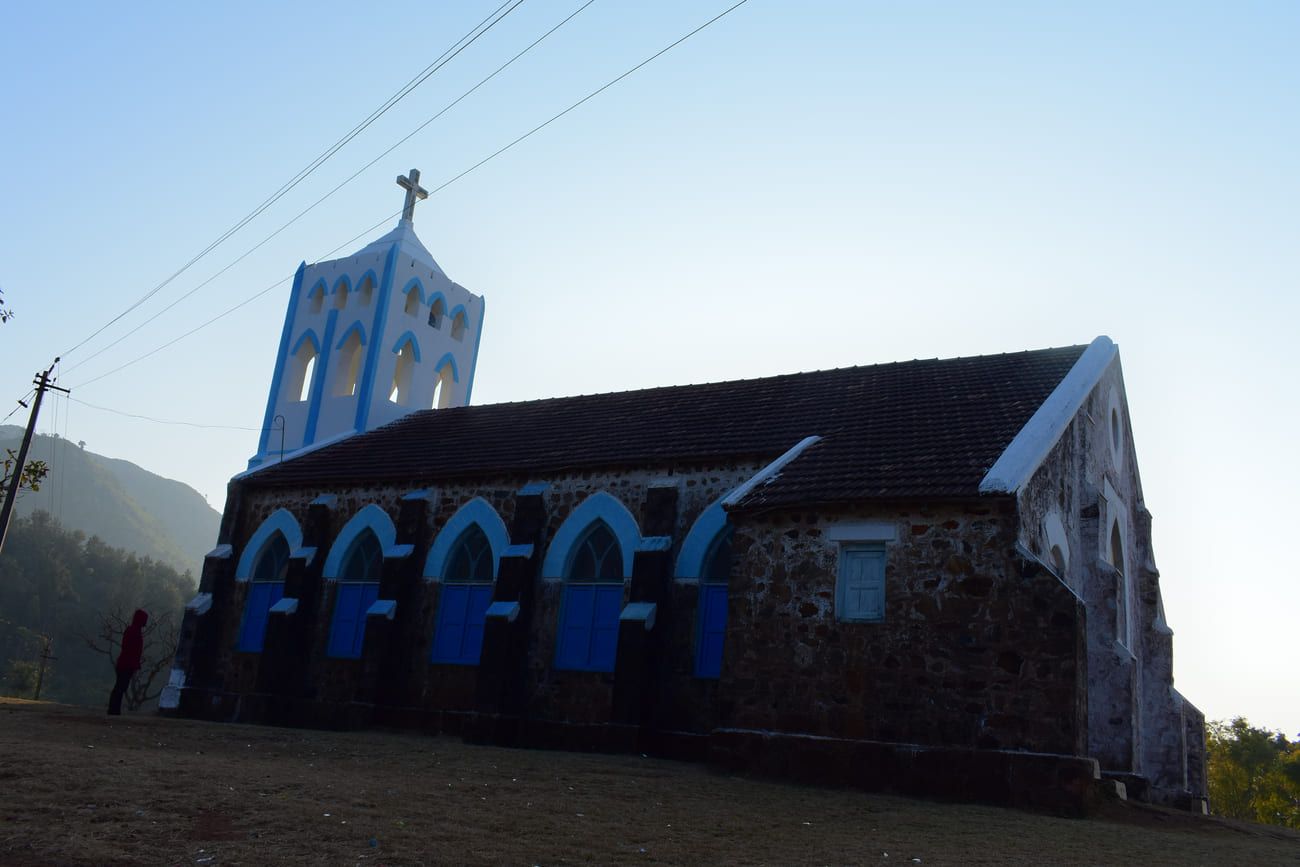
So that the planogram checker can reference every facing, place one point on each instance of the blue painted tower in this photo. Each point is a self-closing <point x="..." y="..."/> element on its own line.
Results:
<point x="369" y="338"/>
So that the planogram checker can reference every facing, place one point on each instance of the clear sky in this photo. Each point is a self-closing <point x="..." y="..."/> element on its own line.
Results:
<point x="800" y="186"/>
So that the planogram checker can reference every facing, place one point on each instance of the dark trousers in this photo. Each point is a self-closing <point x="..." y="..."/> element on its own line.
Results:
<point x="119" y="690"/>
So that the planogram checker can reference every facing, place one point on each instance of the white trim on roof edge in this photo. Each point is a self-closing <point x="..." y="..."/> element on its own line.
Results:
<point x="1030" y="447"/>
<point x="768" y="474"/>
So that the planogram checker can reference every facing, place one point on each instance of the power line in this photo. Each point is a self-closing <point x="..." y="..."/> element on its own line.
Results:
<point x="445" y="58"/>
<point x="340" y="186"/>
<point x="437" y="189"/>
<point x="591" y="95"/>
<point x="230" y="310"/>
<point x="22" y="400"/>
<point x="160" y="420"/>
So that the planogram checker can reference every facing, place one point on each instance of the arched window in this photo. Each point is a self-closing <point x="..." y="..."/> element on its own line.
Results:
<point x="1121" y="584"/>
<point x="349" y="366"/>
<point x="302" y="366"/>
<point x="412" y="307"/>
<point x="593" y="598"/>
<point x="341" y="294"/>
<point x="437" y="310"/>
<point x="463" y="603"/>
<point x="266" y="587"/>
<point x="366" y="289"/>
<point x="713" y="607"/>
<point x="357" y="590"/>
<point x="458" y="324"/>
<point x="316" y="297"/>
<point x="442" y="386"/>
<point x="403" y="372"/>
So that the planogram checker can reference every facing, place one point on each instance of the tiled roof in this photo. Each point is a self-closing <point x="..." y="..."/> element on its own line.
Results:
<point x="917" y="428"/>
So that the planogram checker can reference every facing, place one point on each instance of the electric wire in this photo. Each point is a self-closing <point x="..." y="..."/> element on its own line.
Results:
<point x="18" y="405"/>
<point x="437" y="64"/>
<point x="591" y="95"/>
<point x="340" y="186"/>
<point x="230" y="310"/>
<point x="436" y="189"/>
<point x="162" y="420"/>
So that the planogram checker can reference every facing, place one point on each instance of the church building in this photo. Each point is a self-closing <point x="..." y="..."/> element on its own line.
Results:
<point x="931" y="577"/>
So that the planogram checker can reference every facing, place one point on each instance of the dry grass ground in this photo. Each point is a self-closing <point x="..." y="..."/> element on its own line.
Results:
<point x="79" y="788"/>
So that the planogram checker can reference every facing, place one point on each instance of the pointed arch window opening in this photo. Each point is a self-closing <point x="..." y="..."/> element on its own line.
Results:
<point x="403" y="375"/>
<point x="316" y="298"/>
<point x="356" y="590"/>
<point x="471" y="559"/>
<point x="412" y="307"/>
<point x="442" y="387"/>
<point x="341" y="296"/>
<point x="593" y="599"/>
<point x="349" y="371"/>
<point x="1121" y="585"/>
<point x="464" y="599"/>
<point x="366" y="290"/>
<point x="712" y="625"/>
<point x="437" y="311"/>
<point x="458" y="324"/>
<point x="265" y="588"/>
<point x="598" y="556"/>
<point x="302" y="369"/>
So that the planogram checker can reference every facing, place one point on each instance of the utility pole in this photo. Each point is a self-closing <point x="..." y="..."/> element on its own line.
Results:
<point x="46" y="644"/>
<point x="43" y="384"/>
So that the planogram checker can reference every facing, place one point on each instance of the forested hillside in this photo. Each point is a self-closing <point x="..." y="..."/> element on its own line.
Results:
<point x="119" y="502"/>
<point x="60" y="592"/>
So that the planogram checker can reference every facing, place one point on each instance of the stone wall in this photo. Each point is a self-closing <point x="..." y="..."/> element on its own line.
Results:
<point x="982" y="649"/>
<point x="977" y="648"/>
<point x="1087" y="490"/>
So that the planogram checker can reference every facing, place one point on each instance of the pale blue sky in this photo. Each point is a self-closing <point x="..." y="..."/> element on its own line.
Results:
<point x="800" y="186"/>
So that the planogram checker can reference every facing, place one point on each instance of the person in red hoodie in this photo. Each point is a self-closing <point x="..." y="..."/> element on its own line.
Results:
<point x="128" y="660"/>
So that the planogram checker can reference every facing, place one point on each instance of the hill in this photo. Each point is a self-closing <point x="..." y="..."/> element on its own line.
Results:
<point x="80" y="788"/>
<point x="124" y="505"/>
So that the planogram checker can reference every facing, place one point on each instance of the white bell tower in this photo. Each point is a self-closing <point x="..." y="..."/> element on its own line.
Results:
<point x="368" y="339"/>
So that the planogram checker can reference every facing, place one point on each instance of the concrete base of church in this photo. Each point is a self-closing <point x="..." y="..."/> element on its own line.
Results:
<point x="1061" y="784"/>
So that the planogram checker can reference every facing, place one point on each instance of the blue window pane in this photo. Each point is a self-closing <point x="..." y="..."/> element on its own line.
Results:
<point x="348" y="631"/>
<point x="458" y="634"/>
<point x="588" y="638"/>
<point x="252" y="631"/>
<point x="713" y="629"/>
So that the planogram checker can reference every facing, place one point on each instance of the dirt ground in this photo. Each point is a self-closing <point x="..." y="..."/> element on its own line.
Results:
<point x="80" y="788"/>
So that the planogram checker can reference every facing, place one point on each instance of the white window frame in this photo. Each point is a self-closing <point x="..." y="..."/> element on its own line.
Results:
<point x="863" y="535"/>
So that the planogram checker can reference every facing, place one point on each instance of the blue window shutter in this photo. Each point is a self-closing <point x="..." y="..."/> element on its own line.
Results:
<point x="261" y="596"/>
<point x="251" y="630"/>
<point x="344" y="621"/>
<point x="862" y="583"/>
<point x="577" y="607"/>
<point x="348" y="631"/>
<point x="449" y="634"/>
<point x="369" y="593"/>
<point x="480" y="597"/>
<point x="604" y="627"/>
<point x="713" y="630"/>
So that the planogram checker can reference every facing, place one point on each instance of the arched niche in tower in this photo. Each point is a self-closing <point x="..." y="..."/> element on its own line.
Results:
<point x="365" y="290"/>
<point x="444" y="383"/>
<point x="437" y="310"/>
<point x="302" y="367"/>
<point x="348" y="361"/>
<point x="407" y="351"/>
<point x="341" y="291"/>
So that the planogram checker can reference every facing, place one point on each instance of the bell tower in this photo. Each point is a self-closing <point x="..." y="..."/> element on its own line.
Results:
<point x="368" y="339"/>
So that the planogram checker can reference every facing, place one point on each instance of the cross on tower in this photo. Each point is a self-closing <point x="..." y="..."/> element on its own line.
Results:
<point x="413" y="192"/>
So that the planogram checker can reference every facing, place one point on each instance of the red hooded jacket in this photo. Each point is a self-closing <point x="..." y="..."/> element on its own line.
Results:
<point x="133" y="642"/>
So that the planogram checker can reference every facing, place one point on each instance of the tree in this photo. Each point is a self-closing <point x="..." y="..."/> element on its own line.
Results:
<point x="34" y="472"/>
<point x="1254" y="773"/>
<point x="159" y="646"/>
